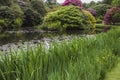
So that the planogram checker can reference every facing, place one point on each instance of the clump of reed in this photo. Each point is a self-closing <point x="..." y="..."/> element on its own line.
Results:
<point x="87" y="58"/>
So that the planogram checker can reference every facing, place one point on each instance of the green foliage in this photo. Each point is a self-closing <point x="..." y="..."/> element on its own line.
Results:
<point x="116" y="17"/>
<point x="31" y="18"/>
<point x="112" y="16"/>
<point x="68" y="17"/>
<point x="92" y="3"/>
<point x="86" y="58"/>
<point x="11" y="17"/>
<point x="107" y="1"/>
<point x="101" y="9"/>
<point x="5" y="2"/>
<point x="39" y="7"/>
<point x="89" y="19"/>
<point x="17" y="8"/>
<point x="33" y="11"/>
<point x="116" y="3"/>
<point x="51" y="3"/>
<point x="21" y="12"/>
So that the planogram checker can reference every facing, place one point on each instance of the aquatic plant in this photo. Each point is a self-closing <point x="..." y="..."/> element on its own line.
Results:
<point x="87" y="58"/>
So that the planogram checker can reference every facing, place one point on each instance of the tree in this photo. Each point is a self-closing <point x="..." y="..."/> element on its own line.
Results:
<point x="107" y="1"/>
<point x="116" y="3"/>
<point x="6" y="2"/>
<point x="50" y="3"/>
<point x="92" y="3"/>
<point x="101" y="9"/>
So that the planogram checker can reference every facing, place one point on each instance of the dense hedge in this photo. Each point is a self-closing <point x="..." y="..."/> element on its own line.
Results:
<point x="68" y="17"/>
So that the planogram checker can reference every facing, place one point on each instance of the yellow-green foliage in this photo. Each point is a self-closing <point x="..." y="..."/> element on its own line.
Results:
<point x="90" y="19"/>
<point x="67" y="17"/>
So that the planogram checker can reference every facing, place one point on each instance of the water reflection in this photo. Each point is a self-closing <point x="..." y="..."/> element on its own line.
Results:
<point x="14" y="39"/>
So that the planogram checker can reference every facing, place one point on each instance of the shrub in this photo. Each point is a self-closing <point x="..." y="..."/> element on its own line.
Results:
<point x="73" y="2"/>
<point x="68" y="17"/>
<point x="39" y="7"/>
<point x="101" y="9"/>
<point x="32" y="18"/>
<point x="112" y="16"/>
<point x="11" y="18"/>
<point x="89" y="19"/>
<point x="92" y="11"/>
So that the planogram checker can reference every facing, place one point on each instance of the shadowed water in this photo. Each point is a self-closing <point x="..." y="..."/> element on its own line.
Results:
<point x="16" y="39"/>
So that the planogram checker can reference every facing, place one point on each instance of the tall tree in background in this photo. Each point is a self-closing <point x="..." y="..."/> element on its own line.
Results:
<point x="92" y="3"/>
<point x="6" y="2"/>
<point x="107" y="1"/>
<point x="51" y="3"/>
<point x="116" y="3"/>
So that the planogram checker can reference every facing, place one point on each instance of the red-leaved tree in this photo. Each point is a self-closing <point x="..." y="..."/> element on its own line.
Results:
<point x="112" y="16"/>
<point x="73" y="2"/>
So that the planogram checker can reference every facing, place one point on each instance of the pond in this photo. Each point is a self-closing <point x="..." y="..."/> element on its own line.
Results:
<point x="16" y="39"/>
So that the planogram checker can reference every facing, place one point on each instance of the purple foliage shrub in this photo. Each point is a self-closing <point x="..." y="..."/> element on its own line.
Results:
<point x="112" y="16"/>
<point x="73" y="2"/>
<point x="92" y="11"/>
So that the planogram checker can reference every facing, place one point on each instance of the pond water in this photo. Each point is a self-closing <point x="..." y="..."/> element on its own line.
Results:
<point x="15" y="39"/>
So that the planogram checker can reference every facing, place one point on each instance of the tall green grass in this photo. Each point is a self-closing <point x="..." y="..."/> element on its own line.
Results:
<point x="87" y="58"/>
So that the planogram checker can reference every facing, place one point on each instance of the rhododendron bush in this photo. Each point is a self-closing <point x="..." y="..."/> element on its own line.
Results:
<point x="73" y="2"/>
<point x="112" y="16"/>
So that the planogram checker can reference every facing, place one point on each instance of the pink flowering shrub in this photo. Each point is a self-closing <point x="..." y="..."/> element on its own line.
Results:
<point x="112" y="16"/>
<point x="92" y="11"/>
<point x="73" y="2"/>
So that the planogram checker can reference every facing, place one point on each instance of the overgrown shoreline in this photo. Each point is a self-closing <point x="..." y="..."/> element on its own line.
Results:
<point x="80" y="58"/>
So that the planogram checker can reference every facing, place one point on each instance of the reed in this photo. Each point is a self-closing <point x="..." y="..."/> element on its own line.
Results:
<point x="84" y="58"/>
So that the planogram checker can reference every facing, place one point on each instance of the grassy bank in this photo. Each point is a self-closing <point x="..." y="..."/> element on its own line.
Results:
<point x="114" y="74"/>
<point x="87" y="58"/>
